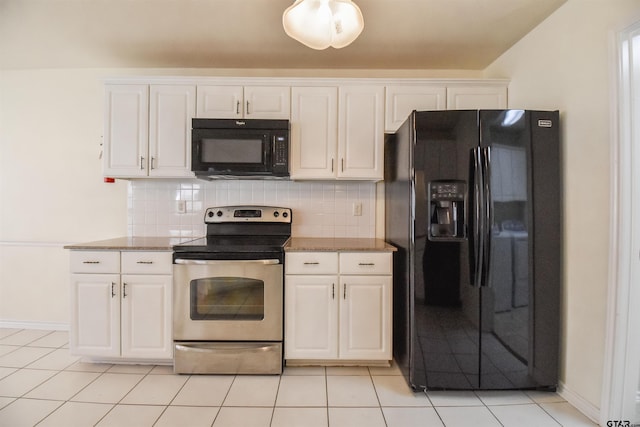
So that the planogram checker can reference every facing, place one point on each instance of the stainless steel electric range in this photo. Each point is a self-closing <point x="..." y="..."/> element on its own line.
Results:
<point x="228" y="293"/>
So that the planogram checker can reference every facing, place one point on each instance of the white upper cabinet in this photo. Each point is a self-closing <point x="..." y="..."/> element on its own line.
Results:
<point x="360" y="132"/>
<point x="236" y="102"/>
<point x="172" y="108"/>
<point x="337" y="133"/>
<point x="487" y="97"/>
<point x="337" y="125"/>
<point x="314" y="132"/>
<point x="126" y="130"/>
<point x="219" y="102"/>
<point x="401" y="100"/>
<point x="148" y="131"/>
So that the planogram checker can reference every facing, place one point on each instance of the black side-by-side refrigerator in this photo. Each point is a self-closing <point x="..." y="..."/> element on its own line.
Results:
<point x="472" y="200"/>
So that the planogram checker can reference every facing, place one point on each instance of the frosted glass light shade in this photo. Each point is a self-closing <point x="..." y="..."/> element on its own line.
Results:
<point x="323" y="23"/>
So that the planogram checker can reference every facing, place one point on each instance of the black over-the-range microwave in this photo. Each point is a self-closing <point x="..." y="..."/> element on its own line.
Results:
<point x="249" y="148"/>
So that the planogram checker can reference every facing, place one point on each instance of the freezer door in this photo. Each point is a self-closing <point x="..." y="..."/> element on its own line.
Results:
<point x="445" y="338"/>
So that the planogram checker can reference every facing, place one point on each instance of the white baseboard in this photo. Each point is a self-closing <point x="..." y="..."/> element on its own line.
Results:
<point x="579" y="402"/>
<point x="46" y="326"/>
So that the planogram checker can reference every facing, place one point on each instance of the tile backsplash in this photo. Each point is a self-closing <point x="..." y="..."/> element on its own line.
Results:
<point x="320" y="209"/>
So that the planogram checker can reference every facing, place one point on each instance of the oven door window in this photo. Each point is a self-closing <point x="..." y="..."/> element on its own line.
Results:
<point x="227" y="298"/>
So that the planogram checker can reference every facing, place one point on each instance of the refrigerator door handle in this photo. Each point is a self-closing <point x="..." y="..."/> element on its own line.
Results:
<point x="478" y="223"/>
<point x="487" y="219"/>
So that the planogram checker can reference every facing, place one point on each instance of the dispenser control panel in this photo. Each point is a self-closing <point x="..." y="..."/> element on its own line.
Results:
<point x="447" y="190"/>
<point x="447" y="200"/>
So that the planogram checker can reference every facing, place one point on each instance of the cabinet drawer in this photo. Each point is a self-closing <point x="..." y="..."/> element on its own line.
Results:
<point x="140" y="262"/>
<point x="311" y="263"/>
<point x="95" y="261"/>
<point x="366" y="263"/>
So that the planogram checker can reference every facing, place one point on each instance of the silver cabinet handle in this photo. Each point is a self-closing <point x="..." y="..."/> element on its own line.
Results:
<point x="369" y="264"/>
<point x="311" y="263"/>
<point x="344" y="292"/>
<point x="144" y="262"/>
<point x="237" y="107"/>
<point x="91" y="262"/>
<point x="124" y="290"/>
<point x="342" y="164"/>
<point x="152" y="160"/>
<point x="332" y="164"/>
<point x="247" y="112"/>
<point x="141" y="163"/>
<point x="333" y="291"/>
<point x="222" y="262"/>
<point x="113" y="289"/>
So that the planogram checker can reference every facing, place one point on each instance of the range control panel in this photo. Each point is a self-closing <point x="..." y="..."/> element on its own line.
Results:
<point x="247" y="214"/>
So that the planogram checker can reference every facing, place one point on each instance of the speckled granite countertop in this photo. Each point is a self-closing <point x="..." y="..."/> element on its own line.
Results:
<point x="309" y="244"/>
<point x="295" y="244"/>
<point x="131" y="244"/>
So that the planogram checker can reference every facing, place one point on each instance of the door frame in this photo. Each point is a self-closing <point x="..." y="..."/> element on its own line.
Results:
<point x="620" y="395"/>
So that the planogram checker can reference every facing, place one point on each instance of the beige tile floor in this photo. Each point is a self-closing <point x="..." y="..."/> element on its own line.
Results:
<point x="42" y="384"/>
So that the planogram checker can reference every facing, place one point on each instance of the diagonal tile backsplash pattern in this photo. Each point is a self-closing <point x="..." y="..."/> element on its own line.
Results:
<point x="320" y="209"/>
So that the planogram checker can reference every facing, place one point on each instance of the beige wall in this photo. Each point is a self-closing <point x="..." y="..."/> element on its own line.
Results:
<point x="565" y="63"/>
<point x="51" y="187"/>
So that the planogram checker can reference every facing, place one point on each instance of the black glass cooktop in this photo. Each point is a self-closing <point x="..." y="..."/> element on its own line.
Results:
<point x="233" y="244"/>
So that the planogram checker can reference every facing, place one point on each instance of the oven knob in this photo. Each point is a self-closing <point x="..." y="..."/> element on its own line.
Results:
<point x="284" y="214"/>
<point x="219" y="213"/>
<point x="210" y="214"/>
<point x="276" y="214"/>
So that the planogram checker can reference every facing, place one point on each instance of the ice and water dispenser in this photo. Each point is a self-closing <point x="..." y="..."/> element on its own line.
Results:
<point x="447" y="210"/>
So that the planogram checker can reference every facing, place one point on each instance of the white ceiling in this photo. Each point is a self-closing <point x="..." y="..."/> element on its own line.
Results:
<point x="398" y="34"/>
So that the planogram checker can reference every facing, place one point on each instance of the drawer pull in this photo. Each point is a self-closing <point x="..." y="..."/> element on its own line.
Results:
<point x="367" y="264"/>
<point x="333" y="291"/>
<point x="113" y="289"/>
<point x="124" y="290"/>
<point x="311" y="263"/>
<point x="145" y="262"/>
<point x="91" y="262"/>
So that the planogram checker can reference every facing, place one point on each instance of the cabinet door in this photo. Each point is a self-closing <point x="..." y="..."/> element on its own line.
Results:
<point x="365" y="317"/>
<point x="126" y="130"/>
<point x="146" y="316"/>
<point x="267" y="102"/>
<point x="171" y="111"/>
<point x="314" y="132"/>
<point x="476" y="97"/>
<point x="311" y="317"/>
<point x="219" y="102"/>
<point x="400" y="101"/>
<point x="95" y="315"/>
<point x="361" y="132"/>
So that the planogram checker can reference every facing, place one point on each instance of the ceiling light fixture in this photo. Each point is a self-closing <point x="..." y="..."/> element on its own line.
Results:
<point x="319" y="24"/>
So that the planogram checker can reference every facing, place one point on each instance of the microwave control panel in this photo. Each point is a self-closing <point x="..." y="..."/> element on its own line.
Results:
<point x="280" y="153"/>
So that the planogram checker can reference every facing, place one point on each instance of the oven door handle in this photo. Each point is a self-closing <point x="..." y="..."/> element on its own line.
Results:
<point x="219" y="262"/>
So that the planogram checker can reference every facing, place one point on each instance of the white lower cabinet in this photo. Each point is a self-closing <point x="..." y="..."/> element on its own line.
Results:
<point x="95" y="315"/>
<point x="311" y="317"/>
<point x="365" y="321"/>
<point x="341" y="316"/>
<point x="121" y="305"/>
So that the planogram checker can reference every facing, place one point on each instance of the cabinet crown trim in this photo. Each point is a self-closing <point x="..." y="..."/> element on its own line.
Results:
<point x="300" y="81"/>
